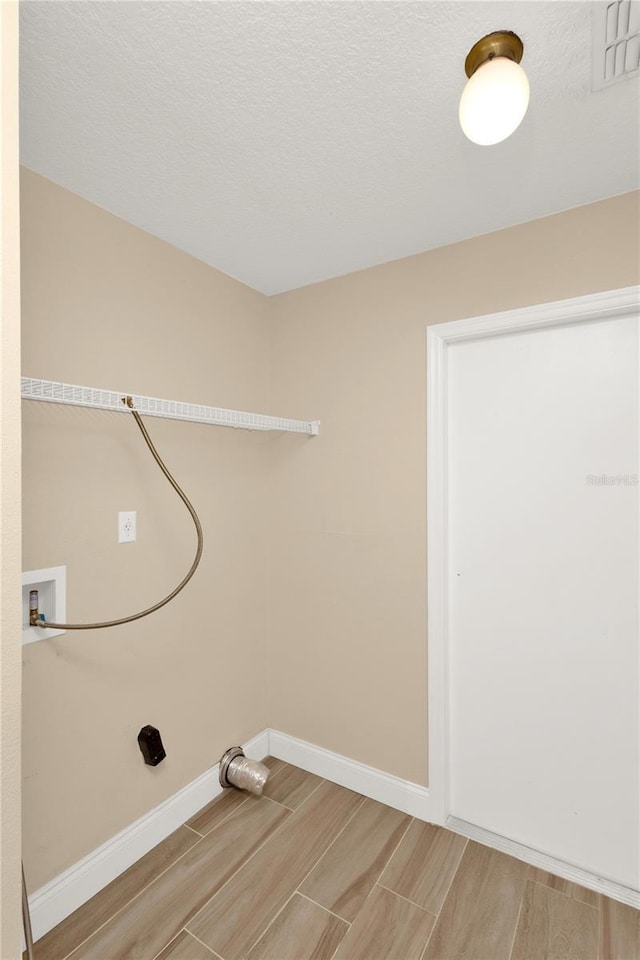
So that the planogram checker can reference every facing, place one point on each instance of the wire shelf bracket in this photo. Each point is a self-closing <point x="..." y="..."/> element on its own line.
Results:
<point x="50" y="391"/>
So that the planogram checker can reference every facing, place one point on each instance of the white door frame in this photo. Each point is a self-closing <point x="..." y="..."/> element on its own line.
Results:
<point x="597" y="306"/>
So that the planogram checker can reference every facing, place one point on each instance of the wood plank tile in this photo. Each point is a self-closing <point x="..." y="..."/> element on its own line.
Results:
<point x="570" y="889"/>
<point x="344" y="877"/>
<point x="240" y="912"/>
<point x="227" y="802"/>
<point x="275" y="765"/>
<point x="302" y="931"/>
<point x="291" y="786"/>
<point x="387" y="928"/>
<point x="552" y="926"/>
<point x="158" y="914"/>
<point x="479" y="916"/>
<point x="217" y="811"/>
<point x="619" y="931"/>
<point x="424" y="865"/>
<point x="76" y="928"/>
<point x="186" y="947"/>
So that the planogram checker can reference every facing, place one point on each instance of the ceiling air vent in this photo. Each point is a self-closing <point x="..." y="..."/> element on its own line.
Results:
<point x="616" y="42"/>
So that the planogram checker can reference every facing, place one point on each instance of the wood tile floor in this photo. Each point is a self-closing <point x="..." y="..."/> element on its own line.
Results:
<point x="312" y="871"/>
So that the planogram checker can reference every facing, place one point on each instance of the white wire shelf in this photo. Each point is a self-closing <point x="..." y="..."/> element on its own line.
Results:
<point x="52" y="392"/>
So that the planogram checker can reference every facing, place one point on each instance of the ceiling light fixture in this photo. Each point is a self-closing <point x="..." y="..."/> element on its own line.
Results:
<point x="496" y="97"/>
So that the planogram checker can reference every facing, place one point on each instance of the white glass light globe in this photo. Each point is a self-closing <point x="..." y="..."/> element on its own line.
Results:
<point x="494" y="101"/>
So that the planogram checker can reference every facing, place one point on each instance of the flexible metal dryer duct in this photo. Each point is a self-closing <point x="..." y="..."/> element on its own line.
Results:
<point x="236" y="770"/>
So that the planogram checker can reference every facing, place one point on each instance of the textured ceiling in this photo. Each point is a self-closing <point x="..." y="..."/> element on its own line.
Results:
<point x="288" y="142"/>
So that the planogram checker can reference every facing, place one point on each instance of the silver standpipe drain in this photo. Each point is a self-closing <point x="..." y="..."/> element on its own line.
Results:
<point x="236" y="770"/>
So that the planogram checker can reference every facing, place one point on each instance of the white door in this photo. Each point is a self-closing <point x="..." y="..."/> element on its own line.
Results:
<point x="539" y="571"/>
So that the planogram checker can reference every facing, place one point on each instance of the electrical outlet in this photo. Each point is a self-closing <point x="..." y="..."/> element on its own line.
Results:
<point x="126" y="526"/>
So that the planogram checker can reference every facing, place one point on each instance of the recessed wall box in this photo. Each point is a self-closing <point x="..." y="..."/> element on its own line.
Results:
<point x="51" y="584"/>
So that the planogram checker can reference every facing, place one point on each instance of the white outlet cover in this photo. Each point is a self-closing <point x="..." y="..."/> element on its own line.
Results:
<point x="126" y="526"/>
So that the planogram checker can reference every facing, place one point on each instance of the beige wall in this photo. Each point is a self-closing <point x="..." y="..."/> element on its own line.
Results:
<point x="348" y="543"/>
<point x="10" y="674"/>
<point x="105" y="304"/>
<point x="334" y="527"/>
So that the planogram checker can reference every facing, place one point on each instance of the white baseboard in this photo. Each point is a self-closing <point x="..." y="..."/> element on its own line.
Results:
<point x="56" y="900"/>
<point x="542" y="860"/>
<point x="65" y="893"/>
<point x="59" y="898"/>
<point x="403" y="795"/>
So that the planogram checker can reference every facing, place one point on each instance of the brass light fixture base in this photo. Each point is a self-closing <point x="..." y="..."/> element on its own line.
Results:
<point x="502" y="43"/>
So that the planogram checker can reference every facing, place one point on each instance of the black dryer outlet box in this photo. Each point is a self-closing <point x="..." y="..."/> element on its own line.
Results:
<point x="151" y="746"/>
